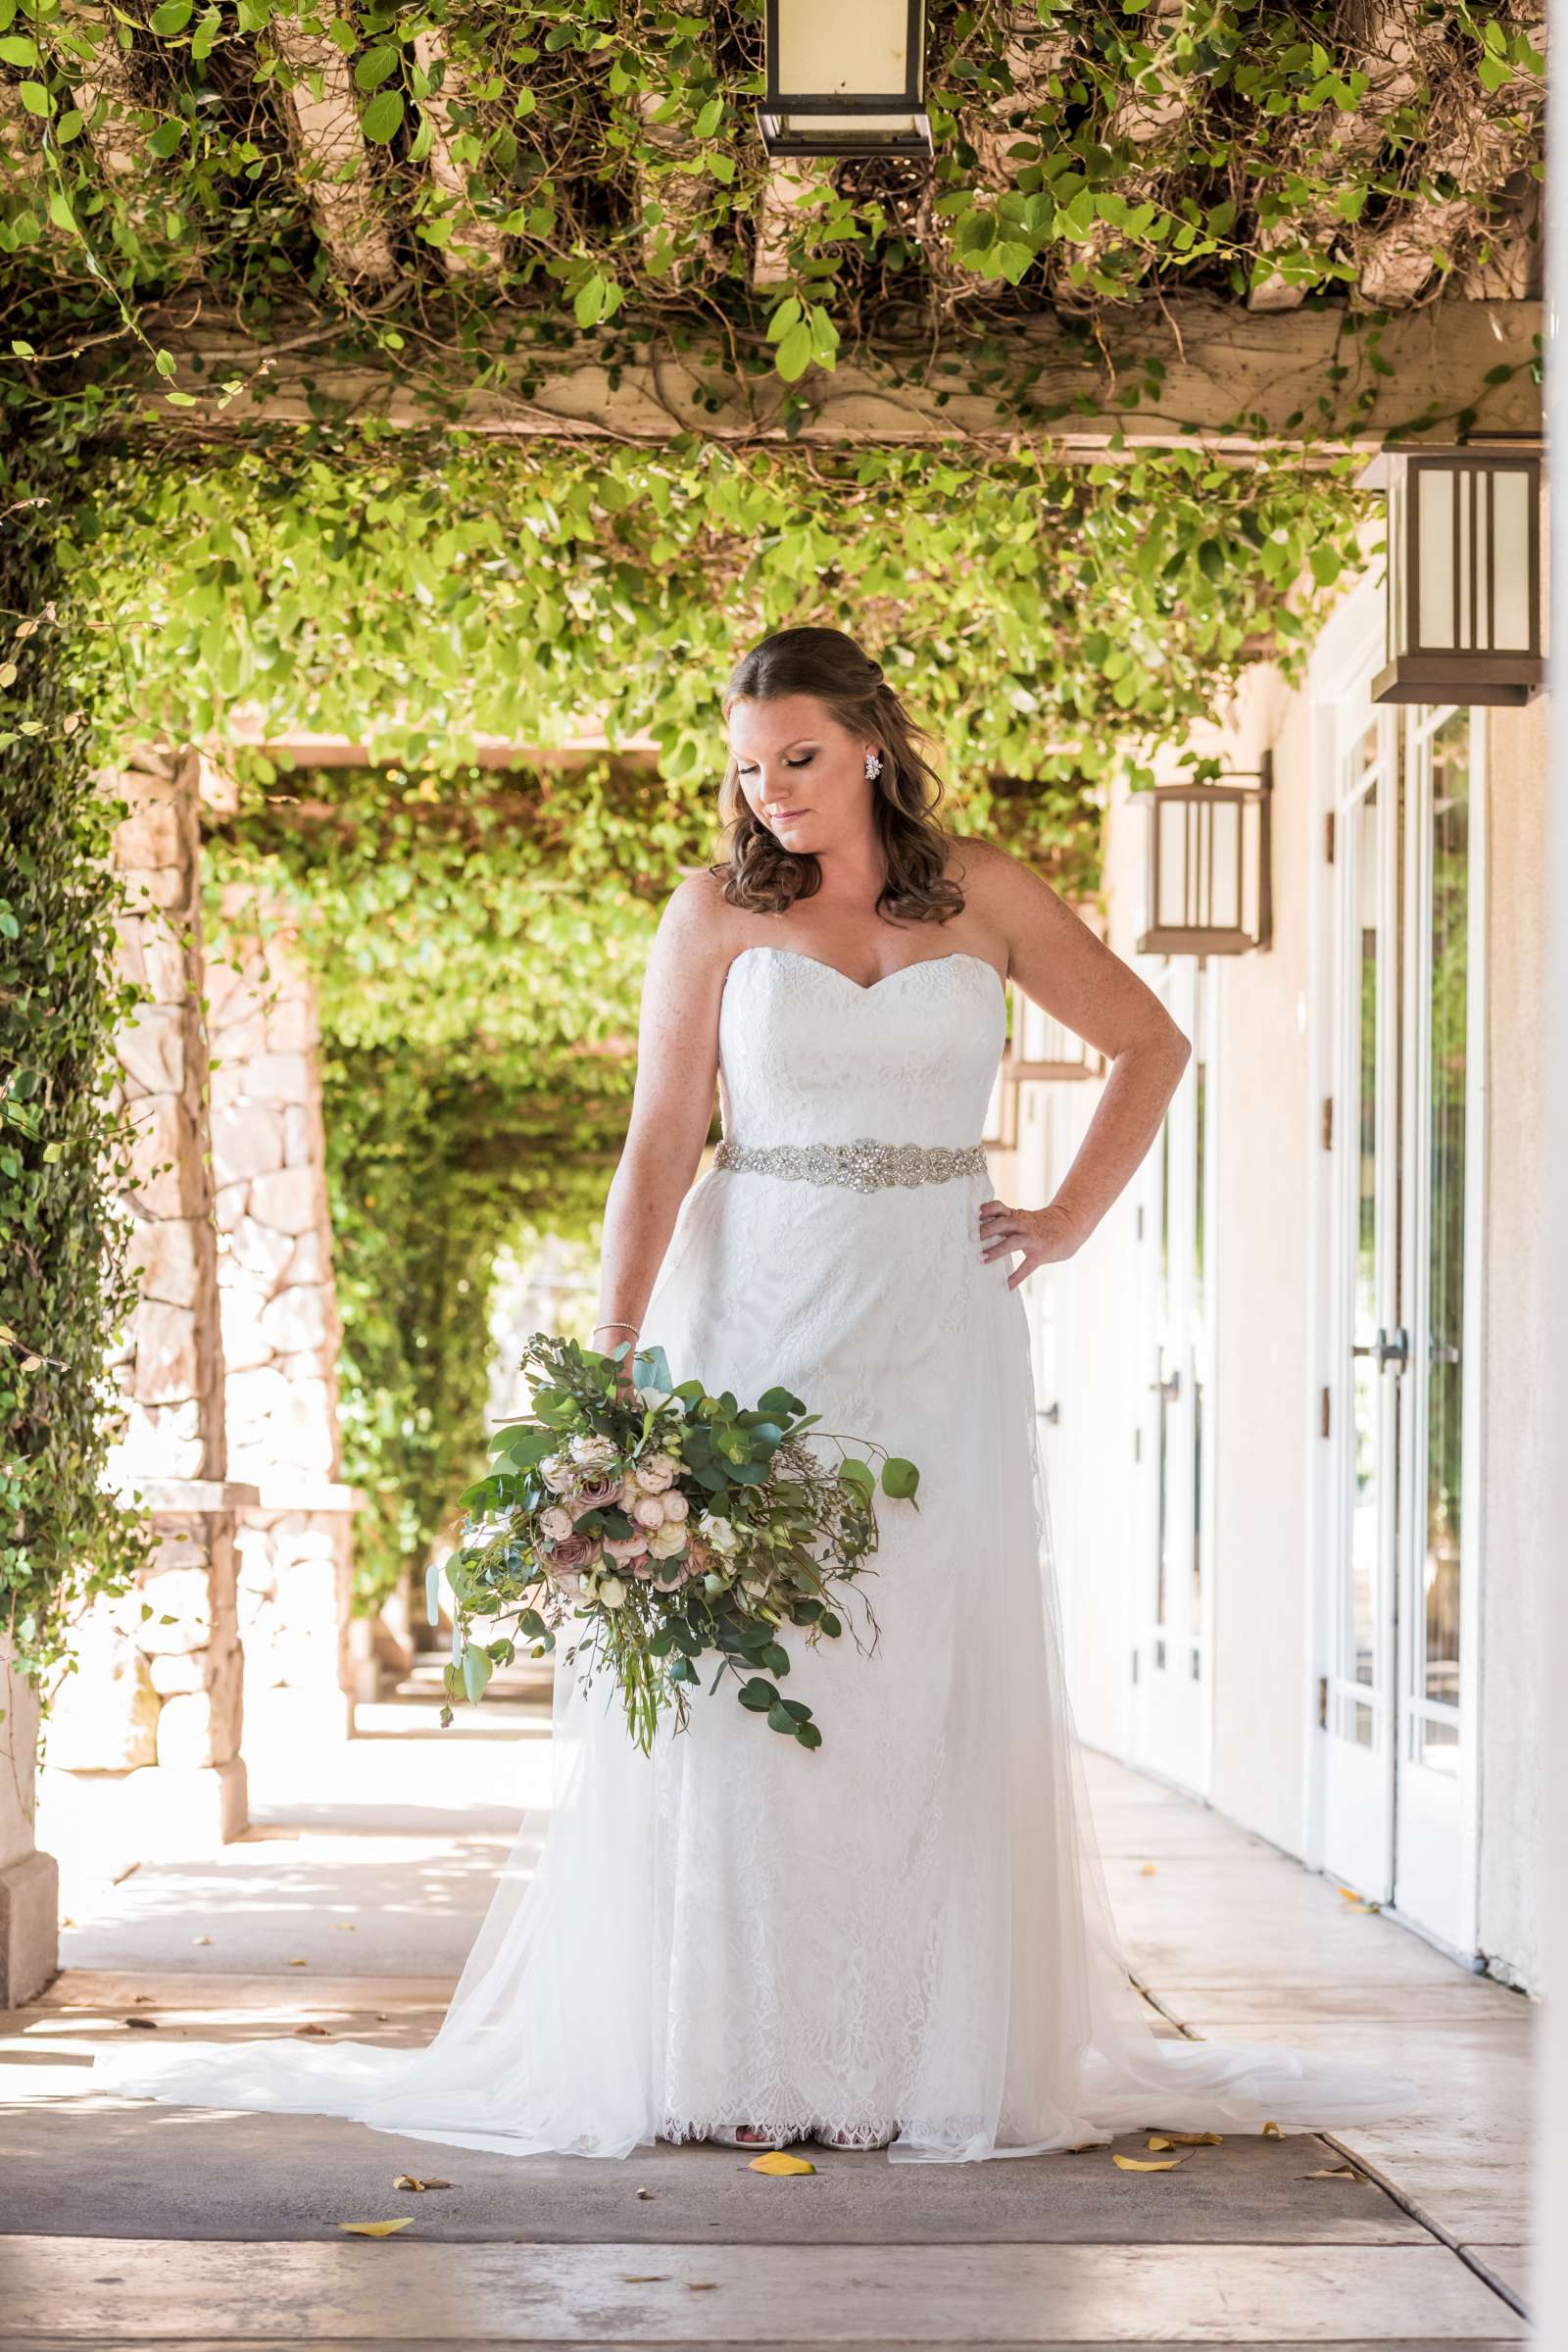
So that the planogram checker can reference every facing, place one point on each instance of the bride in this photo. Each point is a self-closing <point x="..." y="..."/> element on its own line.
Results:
<point x="901" y="1939"/>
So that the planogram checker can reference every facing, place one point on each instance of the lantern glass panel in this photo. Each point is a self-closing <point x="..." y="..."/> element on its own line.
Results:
<point x="825" y="48"/>
<point x="864" y="127"/>
<point x="1398" y="561"/>
<point x="1511" y="562"/>
<point x="1436" y="586"/>
<point x="1224" y="909"/>
<point x="1171" y="818"/>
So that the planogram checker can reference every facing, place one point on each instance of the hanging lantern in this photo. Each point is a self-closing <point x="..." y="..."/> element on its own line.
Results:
<point x="845" y="80"/>
<point x="1463" y="575"/>
<point x="1207" y="867"/>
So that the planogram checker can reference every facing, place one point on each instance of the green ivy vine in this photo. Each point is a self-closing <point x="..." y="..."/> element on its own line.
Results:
<point x="66" y="1286"/>
<point x="588" y="164"/>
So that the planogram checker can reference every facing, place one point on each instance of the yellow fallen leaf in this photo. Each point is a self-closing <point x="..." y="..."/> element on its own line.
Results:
<point x="1186" y="2139"/>
<point x="642" y="2277"/>
<point x="201" y="1939"/>
<point x="408" y="2181"/>
<point x="313" y="2032"/>
<point x="344" y="1926"/>
<point x="697" y="2284"/>
<point x="1145" y="1870"/>
<point x="1135" y="2164"/>
<point x="1334" y="2171"/>
<point x="779" y="2161"/>
<point x="1082" y="2147"/>
<point x="1272" y="2131"/>
<point x="375" y="2228"/>
<point x="299" y="1964"/>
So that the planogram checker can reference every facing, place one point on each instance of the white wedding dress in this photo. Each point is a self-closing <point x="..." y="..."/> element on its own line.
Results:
<point x="906" y="1930"/>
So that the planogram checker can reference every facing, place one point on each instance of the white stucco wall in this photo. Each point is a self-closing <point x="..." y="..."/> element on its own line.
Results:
<point x="1520" y="1550"/>
<point x="1263" y="1141"/>
<point x="1266" y="1137"/>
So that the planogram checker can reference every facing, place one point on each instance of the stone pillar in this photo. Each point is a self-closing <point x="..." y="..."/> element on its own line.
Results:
<point x="280" y="1326"/>
<point x="142" y="1747"/>
<point x="29" y="1901"/>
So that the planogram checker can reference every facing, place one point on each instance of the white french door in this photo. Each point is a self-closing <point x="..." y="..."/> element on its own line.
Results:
<point x="1170" y="1715"/>
<point x="1398" y="1609"/>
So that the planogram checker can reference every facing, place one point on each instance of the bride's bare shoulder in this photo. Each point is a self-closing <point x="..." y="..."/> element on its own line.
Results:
<point x="698" y="929"/>
<point x="988" y="874"/>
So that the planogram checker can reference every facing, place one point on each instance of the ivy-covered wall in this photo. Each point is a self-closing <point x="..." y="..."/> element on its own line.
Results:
<point x="65" y="1284"/>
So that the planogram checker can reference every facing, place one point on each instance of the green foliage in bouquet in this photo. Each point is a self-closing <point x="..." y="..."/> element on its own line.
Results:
<point x="656" y="1523"/>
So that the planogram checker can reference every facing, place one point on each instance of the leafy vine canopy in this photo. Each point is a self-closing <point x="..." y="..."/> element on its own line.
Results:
<point x="405" y="172"/>
<point x="416" y="593"/>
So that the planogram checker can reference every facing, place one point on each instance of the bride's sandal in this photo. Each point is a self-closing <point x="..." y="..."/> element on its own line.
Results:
<point x="746" y="2135"/>
<point x="847" y="2139"/>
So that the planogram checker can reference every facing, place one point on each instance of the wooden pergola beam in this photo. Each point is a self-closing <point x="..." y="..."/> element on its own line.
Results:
<point x="333" y="157"/>
<point x="1234" y="382"/>
<point x="477" y="245"/>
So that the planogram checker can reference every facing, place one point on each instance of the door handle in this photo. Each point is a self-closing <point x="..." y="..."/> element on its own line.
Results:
<point x="1384" y="1350"/>
<point x="1170" y="1388"/>
<point x="1050" y="1412"/>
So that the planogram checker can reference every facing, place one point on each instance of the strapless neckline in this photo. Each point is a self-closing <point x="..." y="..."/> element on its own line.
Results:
<point x="862" y="988"/>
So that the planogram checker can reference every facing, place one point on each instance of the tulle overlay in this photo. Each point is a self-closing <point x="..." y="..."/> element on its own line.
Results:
<point x="906" y="1932"/>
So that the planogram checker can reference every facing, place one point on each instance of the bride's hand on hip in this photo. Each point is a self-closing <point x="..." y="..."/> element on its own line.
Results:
<point x="1044" y="1236"/>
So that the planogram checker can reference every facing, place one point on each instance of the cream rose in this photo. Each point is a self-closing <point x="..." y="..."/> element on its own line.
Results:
<point x="675" y="1504"/>
<point x="656" y="1472"/>
<point x="592" y="1451"/>
<point x="649" y="1510"/>
<point x="666" y="1541"/>
<point x="555" y="1522"/>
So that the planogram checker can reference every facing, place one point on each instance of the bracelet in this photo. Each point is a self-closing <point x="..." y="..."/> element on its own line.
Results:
<point x="615" y="1327"/>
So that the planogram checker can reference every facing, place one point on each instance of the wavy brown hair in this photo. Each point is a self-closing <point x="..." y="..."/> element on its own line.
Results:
<point x="759" y="872"/>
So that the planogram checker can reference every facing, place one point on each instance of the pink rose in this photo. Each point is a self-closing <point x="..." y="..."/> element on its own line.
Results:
<point x="575" y="1553"/>
<point x="649" y="1511"/>
<point x="593" y="1497"/>
<point x="675" y="1504"/>
<point x="626" y="1547"/>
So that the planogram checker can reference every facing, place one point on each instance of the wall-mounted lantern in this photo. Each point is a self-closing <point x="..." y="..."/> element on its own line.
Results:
<point x="1207" y="866"/>
<point x="1463" y="601"/>
<point x="845" y="80"/>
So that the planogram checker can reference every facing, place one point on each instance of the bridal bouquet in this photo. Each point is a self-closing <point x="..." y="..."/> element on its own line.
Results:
<point x="658" y="1524"/>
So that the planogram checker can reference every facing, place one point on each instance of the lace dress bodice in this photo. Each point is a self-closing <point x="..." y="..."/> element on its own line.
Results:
<point x="808" y="1055"/>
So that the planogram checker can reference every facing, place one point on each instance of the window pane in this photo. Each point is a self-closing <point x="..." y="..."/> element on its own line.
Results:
<point x="1446" y="1267"/>
<point x="1361" y="1631"/>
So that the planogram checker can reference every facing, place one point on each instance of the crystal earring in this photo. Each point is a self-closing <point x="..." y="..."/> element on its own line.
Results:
<point x="873" y="766"/>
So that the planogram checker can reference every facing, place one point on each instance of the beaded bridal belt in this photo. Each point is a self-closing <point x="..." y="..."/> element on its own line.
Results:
<point x="867" y="1165"/>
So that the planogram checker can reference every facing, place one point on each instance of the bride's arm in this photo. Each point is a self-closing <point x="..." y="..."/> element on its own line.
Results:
<point x="672" y="1103"/>
<point x="1059" y="962"/>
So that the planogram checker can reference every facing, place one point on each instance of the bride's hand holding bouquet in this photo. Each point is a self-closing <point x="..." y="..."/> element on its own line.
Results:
<point x="655" y="1522"/>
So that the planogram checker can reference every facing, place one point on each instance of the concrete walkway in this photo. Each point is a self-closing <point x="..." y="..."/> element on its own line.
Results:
<point x="351" y="1906"/>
